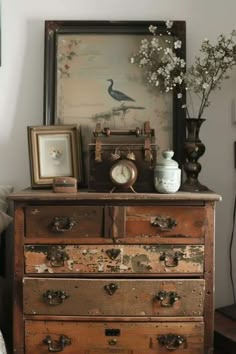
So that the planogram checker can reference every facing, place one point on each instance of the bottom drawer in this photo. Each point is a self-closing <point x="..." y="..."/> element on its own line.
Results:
<point x="113" y="337"/>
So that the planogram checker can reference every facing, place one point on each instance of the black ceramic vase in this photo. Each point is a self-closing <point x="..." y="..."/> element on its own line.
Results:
<point x="193" y="150"/>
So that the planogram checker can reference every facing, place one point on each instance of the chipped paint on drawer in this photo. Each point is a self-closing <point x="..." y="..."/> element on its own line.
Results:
<point x="127" y="259"/>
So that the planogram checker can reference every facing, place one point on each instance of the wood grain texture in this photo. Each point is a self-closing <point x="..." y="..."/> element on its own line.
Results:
<point x="41" y="221"/>
<point x="18" y="322"/>
<point x="189" y="221"/>
<point x="29" y="195"/>
<point x="136" y="338"/>
<point x="209" y="275"/>
<point x="114" y="297"/>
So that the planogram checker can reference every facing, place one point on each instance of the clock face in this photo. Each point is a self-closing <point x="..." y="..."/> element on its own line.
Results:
<point x="123" y="173"/>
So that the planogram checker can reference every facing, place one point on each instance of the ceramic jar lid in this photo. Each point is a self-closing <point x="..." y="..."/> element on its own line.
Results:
<point x="166" y="161"/>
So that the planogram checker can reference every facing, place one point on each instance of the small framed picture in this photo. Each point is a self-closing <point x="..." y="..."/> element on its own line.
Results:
<point x="53" y="152"/>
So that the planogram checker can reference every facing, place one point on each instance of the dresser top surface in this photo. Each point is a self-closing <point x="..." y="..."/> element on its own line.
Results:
<point x="47" y="195"/>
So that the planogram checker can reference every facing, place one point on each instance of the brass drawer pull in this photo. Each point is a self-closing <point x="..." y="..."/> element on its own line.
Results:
<point x="164" y="223"/>
<point x="167" y="298"/>
<point x="55" y="297"/>
<point x="171" y="260"/>
<point x="63" y="223"/>
<point x="57" y="257"/>
<point x="171" y="341"/>
<point x="113" y="253"/>
<point x="57" y="345"/>
<point x="112" y="341"/>
<point x="111" y="288"/>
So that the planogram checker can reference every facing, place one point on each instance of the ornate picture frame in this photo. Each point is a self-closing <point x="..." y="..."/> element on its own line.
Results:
<point x="52" y="153"/>
<point x="83" y="59"/>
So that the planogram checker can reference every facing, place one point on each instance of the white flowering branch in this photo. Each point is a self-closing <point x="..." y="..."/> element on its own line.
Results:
<point x="166" y="71"/>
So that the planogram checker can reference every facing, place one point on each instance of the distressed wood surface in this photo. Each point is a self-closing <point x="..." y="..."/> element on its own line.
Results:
<point x="114" y="297"/>
<point x="136" y="259"/>
<point x="190" y="221"/>
<point x="17" y="342"/>
<point x="48" y="195"/>
<point x="124" y="223"/>
<point x="135" y="338"/>
<point x="140" y="239"/>
<point x="40" y="221"/>
<point x="114" y="222"/>
<point x="114" y="318"/>
<point x="209" y="276"/>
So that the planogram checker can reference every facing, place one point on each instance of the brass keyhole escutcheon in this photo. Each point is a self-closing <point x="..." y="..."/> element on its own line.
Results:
<point x="111" y="288"/>
<point x="113" y="253"/>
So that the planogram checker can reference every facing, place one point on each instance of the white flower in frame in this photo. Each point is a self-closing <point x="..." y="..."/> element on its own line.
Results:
<point x="169" y="23"/>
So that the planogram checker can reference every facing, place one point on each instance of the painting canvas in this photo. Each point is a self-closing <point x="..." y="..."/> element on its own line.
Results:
<point x="97" y="83"/>
<point x="89" y="79"/>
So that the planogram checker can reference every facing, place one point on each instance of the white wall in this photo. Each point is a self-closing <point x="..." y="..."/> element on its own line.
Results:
<point x="21" y="87"/>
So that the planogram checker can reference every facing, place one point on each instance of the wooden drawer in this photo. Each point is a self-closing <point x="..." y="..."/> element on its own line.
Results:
<point x="88" y="222"/>
<point x="113" y="297"/>
<point x="120" y="259"/>
<point x="64" y="221"/>
<point x="113" y="337"/>
<point x="182" y="221"/>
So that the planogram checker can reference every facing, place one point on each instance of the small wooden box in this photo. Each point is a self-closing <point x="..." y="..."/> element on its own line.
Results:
<point x="64" y="185"/>
<point x="99" y="171"/>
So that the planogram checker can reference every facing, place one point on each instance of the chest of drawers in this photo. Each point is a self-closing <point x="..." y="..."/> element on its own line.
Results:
<point x="113" y="273"/>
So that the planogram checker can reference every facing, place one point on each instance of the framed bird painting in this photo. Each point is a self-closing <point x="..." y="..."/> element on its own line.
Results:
<point x="89" y="79"/>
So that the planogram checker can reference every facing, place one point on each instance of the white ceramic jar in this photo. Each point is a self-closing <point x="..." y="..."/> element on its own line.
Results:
<point x="167" y="175"/>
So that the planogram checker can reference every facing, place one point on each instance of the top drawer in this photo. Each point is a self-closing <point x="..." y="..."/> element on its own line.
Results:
<point x="161" y="221"/>
<point x="64" y="220"/>
<point x="115" y="222"/>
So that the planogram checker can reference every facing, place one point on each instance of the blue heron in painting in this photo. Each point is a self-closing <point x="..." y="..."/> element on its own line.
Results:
<point x="118" y="95"/>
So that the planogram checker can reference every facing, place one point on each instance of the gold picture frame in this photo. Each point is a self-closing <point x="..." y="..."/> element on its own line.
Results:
<point x="53" y="152"/>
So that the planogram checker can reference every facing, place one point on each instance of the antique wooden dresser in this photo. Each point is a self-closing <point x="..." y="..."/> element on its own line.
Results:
<point x="113" y="273"/>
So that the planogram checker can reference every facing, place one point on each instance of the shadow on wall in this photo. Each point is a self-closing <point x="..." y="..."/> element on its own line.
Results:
<point x="28" y="109"/>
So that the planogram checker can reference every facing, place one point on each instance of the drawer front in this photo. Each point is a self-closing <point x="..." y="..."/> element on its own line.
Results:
<point x="182" y="221"/>
<point x="113" y="297"/>
<point x="143" y="259"/>
<point x="73" y="221"/>
<point x="113" y="337"/>
<point x="64" y="221"/>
